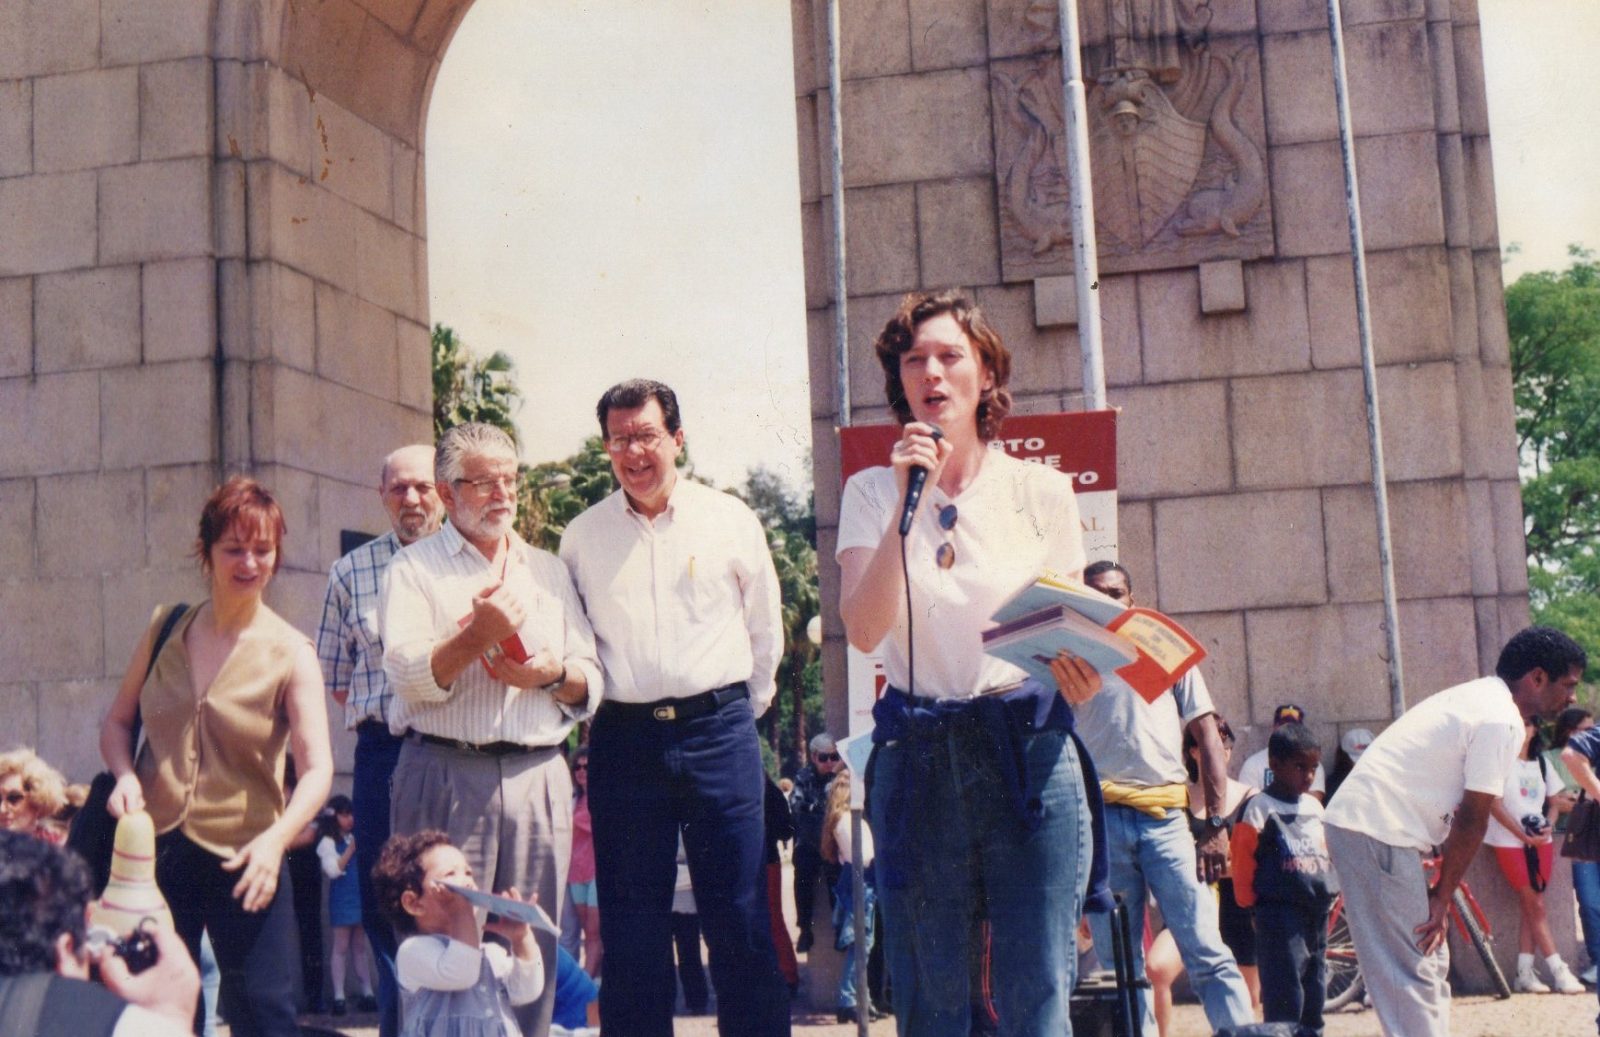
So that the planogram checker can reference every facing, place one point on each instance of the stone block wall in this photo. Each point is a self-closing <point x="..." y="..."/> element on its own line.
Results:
<point x="1244" y="470"/>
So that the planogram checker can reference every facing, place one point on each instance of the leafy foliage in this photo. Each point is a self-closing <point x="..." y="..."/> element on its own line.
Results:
<point x="471" y="388"/>
<point x="1554" y="322"/>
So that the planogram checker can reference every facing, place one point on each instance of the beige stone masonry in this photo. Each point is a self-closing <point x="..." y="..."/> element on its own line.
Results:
<point x="1421" y="418"/>
<point x="1039" y="356"/>
<point x="351" y="158"/>
<point x="1329" y="659"/>
<point x="355" y="342"/>
<point x="176" y="115"/>
<point x="173" y="497"/>
<point x="158" y="414"/>
<point x="1136" y="546"/>
<point x="1489" y="291"/>
<point x="179" y="310"/>
<point x="1391" y="82"/>
<point x="1296" y="430"/>
<point x="16" y="127"/>
<point x="1429" y="525"/>
<point x="153" y="30"/>
<point x="889" y="139"/>
<point x="87" y="318"/>
<point x="1181" y="342"/>
<point x="83" y="120"/>
<point x="50" y="424"/>
<point x="1269" y="545"/>
<point x="30" y="638"/>
<point x="947" y="33"/>
<point x="155" y="210"/>
<point x="1479" y="168"/>
<point x="40" y="37"/>
<point x="881" y="238"/>
<point x="1299" y="15"/>
<point x="1171" y="439"/>
<point x="63" y="242"/>
<point x="1222" y="287"/>
<point x="1055" y="301"/>
<point x="1436" y="644"/>
<point x="875" y="38"/>
<point x="1225" y="667"/>
<point x="16" y="326"/>
<point x="957" y="234"/>
<point x="129" y="600"/>
<point x="67" y="709"/>
<point x="17" y="532"/>
<point x="106" y="531"/>
<point x="1463" y="305"/>
<point x="414" y="365"/>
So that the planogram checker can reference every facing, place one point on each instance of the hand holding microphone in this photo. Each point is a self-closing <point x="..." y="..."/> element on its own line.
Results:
<point x="917" y="477"/>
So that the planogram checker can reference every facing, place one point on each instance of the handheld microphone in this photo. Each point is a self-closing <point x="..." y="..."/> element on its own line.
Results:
<point x="914" y="484"/>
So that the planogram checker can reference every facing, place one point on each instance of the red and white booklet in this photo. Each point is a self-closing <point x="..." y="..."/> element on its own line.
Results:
<point x="1135" y="646"/>
<point x="512" y="647"/>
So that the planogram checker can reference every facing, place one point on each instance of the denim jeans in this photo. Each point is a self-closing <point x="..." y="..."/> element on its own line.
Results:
<point x="1156" y="855"/>
<point x="967" y="851"/>
<point x="844" y="922"/>
<point x="377" y="752"/>
<point x="1586" y="884"/>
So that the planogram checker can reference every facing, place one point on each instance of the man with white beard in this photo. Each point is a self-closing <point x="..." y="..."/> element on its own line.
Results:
<point x="491" y="662"/>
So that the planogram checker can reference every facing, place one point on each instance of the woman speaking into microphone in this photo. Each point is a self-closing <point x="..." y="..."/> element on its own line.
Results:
<point x="975" y="791"/>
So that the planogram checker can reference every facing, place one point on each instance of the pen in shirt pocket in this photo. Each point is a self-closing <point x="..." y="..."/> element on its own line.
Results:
<point x="691" y="567"/>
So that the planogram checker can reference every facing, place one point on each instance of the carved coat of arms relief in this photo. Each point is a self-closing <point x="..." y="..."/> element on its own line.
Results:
<point x="1177" y="140"/>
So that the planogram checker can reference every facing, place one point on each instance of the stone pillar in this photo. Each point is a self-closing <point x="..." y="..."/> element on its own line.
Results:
<point x="1227" y="308"/>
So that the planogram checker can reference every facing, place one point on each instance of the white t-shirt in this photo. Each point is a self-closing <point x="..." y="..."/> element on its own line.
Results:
<point x="1013" y="522"/>
<point x="1406" y="787"/>
<point x="1257" y="773"/>
<point x="1135" y="742"/>
<point x="1525" y="794"/>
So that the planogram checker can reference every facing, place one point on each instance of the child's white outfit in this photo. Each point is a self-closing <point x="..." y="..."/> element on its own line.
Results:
<point x="448" y="989"/>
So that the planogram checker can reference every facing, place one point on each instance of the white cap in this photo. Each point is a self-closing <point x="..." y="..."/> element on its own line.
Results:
<point x="1355" y="742"/>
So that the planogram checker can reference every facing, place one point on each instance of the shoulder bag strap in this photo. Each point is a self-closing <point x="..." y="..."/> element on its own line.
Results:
<point x="22" y="1001"/>
<point x="162" y="635"/>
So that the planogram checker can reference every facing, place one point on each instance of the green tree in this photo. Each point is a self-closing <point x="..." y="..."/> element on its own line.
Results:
<point x="467" y="387"/>
<point x="1554" y="323"/>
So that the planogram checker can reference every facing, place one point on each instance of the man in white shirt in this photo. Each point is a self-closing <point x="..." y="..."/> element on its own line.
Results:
<point x="680" y="587"/>
<point x="1255" y="771"/>
<point x="350" y="649"/>
<point x="491" y="662"/>
<point x="1428" y="781"/>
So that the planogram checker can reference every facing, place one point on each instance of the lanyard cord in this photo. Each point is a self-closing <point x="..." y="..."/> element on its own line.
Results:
<point x="911" y="643"/>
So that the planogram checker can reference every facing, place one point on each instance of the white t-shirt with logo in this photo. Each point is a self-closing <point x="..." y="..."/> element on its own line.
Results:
<point x="1525" y="794"/>
<point x="1406" y="787"/>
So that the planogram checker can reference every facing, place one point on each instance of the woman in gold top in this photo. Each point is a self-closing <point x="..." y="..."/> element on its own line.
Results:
<point x="232" y="689"/>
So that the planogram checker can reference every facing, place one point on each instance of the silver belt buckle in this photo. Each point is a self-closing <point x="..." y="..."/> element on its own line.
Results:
<point x="665" y="713"/>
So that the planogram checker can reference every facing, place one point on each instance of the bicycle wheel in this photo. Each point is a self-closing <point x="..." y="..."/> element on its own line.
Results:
<point x="1342" y="977"/>
<point x="1481" y="943"/>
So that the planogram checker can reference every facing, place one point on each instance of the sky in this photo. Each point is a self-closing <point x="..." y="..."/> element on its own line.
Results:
<point x="613" y="193"/>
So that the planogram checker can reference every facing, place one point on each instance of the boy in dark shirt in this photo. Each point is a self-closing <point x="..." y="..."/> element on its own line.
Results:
<point x="1281" y="868"/>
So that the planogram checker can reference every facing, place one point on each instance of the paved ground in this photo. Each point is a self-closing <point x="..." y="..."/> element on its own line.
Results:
<point x="1523" y="1015"/>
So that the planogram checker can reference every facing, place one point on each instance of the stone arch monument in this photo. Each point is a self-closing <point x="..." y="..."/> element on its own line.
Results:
<point x="213" y="257"/>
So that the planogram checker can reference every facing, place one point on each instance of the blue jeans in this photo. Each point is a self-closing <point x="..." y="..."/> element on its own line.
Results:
<point x="650" y="779"/>
<point x="844" y="921"/>
<point x="966" y="852"/>
<point x="1156" y="855"/>
<point x="1586" y="884"/>
<point x="377" y="752"/>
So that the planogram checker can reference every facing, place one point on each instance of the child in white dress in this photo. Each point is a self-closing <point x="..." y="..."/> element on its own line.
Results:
<point x="452" y="983"/>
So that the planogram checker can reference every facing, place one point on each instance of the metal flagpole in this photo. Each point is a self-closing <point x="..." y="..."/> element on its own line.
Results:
<point x="1086" y="263"/>
<point x="1369" y="371"/>
<point x="841" y="336"/>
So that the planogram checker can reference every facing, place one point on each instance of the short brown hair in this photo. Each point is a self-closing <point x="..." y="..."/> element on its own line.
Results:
<point x="399" y="870"/>
<point x="897" y="335"/>
<point x="243" y="501"/>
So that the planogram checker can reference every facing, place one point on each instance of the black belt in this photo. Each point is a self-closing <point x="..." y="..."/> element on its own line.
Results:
<point x="486" y="749"/>
<point x="684" y="708"/>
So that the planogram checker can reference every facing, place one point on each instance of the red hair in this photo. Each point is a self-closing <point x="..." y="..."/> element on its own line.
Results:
<point x="245" y="503"/>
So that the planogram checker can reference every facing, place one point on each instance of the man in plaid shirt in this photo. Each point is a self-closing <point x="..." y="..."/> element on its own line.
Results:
<point x="351" y="651"/>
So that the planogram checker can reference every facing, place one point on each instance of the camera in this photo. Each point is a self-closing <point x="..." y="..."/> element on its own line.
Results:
<point x="1534" y="825"/>
<point x="138" y="950"/>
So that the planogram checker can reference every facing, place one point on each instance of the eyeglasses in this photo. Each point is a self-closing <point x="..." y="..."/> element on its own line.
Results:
<point x="827" y="757"/>
<point x="17" y="797"/>
<point x="646" y="440"/>
<point x="484" y="487"/>
<point x="946" y="555"/>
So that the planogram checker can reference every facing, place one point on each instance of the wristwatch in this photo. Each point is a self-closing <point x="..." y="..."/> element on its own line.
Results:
<point x="555" y="685"/>
<point x="1215" y="823"/>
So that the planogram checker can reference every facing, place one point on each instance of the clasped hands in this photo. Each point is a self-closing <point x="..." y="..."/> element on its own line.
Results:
<point x="498" y="612"/>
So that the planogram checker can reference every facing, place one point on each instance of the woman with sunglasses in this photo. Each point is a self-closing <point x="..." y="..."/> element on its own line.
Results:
<point x="976" y="794"/>
<point x="31" y="793"/>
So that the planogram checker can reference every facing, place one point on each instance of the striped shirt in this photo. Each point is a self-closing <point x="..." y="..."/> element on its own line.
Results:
<point x="349" y="644"/>
<point x="429" y="592"/>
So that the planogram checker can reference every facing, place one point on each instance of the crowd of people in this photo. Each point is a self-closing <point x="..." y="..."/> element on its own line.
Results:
<point x="1002" y="811"/>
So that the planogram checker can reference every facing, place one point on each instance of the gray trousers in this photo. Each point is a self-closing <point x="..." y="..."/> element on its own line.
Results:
<point x="1385" y="899"/>
<point x="510" y="816"/>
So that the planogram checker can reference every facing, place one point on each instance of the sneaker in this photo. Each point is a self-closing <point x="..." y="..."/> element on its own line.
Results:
<point x="1565" y="982"/>
<point x="1528" y="983"/>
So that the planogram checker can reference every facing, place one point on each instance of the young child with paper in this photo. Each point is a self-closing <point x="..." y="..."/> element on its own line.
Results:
<point x="452" y="983"/>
